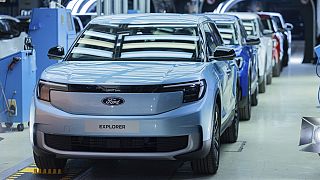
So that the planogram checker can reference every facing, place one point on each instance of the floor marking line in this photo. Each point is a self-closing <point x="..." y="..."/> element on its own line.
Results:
<point x="7" y="173"/>
<point x="27" y="170"/>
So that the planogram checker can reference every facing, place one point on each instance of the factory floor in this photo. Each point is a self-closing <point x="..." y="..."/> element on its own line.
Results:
<point x="267" y="147"/>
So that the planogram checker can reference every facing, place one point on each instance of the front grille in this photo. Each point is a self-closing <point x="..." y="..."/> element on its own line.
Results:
<point x="116" y="144"/>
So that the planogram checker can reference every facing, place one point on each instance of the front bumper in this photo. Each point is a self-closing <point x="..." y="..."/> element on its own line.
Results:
<point x="192" y="120"/>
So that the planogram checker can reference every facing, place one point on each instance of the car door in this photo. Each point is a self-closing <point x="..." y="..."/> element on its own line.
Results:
<point x="262" y="50"/>
<point x="252" y="53"/>
<point x="227" y="73"/>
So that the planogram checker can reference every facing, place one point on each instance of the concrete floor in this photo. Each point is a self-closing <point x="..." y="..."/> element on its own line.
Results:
<point x="267" y="147"/>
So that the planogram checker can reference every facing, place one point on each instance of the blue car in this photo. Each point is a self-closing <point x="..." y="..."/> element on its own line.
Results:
<point x="235" y="36"/>
<point x="147" y="86"/>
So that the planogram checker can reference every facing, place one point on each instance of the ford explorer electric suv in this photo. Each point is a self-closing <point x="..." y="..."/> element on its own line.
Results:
<point x="147" y="86"/>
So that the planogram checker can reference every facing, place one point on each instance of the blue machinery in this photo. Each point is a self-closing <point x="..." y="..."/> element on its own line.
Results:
<point x="17" y="81"/>
<point x="19" y="72"/>
<point x="50" y="28"/>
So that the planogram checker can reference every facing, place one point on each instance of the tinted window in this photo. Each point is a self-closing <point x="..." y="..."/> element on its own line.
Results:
<point x="9" y="29"/>
<point x="137" y="42"/>
<point x="14" y="28"/>
<point x="210" y="38"/>
<point x="76" y="25"/>
<point x="277" y="21"/>
<point x="267" y="24"/>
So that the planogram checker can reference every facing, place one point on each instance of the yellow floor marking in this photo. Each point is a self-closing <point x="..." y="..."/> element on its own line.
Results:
<point x="16" y="175"/>
<point x="28" y="170"/>
<point x="19" y="173"/>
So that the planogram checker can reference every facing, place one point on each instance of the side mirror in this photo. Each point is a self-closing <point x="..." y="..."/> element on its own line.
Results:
<point x="56" y="53"/>
<point x="267" y="32"/>
<point x="223" y="53"/>
<point x="289" y="26"/>
<point x="251" y="40"/>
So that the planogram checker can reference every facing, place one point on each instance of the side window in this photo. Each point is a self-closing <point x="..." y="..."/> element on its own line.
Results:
<point x="210" y="39"/>
<point x="202" y="44"/>
<point x="243" y="33"/>
<point x="237" y="33"/>
<point x="217" y="38"/>
<point x="261" y="27"/>
<point x="76" y="25"/>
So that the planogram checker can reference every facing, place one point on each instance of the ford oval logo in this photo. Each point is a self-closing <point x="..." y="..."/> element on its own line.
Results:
<point x="113" y="101"/>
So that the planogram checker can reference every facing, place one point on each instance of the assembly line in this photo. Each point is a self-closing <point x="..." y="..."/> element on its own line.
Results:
<point x="133" y="94"/>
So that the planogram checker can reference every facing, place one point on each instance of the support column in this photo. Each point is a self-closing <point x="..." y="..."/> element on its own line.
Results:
<point x="135" y="4"/>
<point x="117" y="7"/>
<point x="107" y="7"/>
<point x="148" y="4"/>
<point x="142" y="6"/>
<point x="125" y="7"/>
<point x="99" y="8"/>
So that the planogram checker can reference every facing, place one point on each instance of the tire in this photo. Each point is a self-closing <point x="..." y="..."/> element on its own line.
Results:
<point x="210" y="163"/>
<point x="262" y="86"/>
<point x="45" y="162"/>
<point x="8" y="124"/>
<point x="231" y="133"/>
<point x="254" y="98"/>
<point x="245" y="112"/>
<point x="276" y="70"/>
<point x="269" y="79"/>
<point x="20" y="127"/>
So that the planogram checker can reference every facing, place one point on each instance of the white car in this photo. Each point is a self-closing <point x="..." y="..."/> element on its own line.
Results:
<point x="254" y="27"/>
<point x="11" y="36"/>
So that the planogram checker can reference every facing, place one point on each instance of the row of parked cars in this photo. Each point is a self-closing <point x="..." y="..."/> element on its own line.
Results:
<point x="155" y="86"/>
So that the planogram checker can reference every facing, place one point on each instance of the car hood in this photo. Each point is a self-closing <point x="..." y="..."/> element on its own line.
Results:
<point x="124" y="73"/>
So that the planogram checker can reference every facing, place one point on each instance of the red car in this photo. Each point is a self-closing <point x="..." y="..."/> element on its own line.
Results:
<point x="278" y="42"/>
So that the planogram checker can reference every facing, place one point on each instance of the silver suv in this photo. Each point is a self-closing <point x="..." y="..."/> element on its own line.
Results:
<point x="155" y="86"/>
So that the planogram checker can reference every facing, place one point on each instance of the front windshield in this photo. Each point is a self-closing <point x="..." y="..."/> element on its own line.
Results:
<point x="277" y="21"/>
<point x="137" y="42"/>
<point x="228" y="33"/>
<point x="251" y="27"/>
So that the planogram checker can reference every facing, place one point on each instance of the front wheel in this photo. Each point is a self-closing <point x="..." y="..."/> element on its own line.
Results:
<point x="231" y="133"/>
<point x="269" y="78"/>
<point x="262" y="85"/>
<point x="210" y="163"/>
<point x="245" y="111"/>
<point x="277" y="70"/>
<point x="254" y="98"/>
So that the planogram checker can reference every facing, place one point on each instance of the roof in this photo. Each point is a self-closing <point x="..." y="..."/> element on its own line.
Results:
<point x="244" y="15"/>
<point x="270" y="13"/>
<point x="151" y="18"/>
<point x="224" y="18"/>
<point x="9" y="17"/>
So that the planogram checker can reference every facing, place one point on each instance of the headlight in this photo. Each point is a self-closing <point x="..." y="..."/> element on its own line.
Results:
<point x="239" y="61"/>
<point x="192" y="91"/>
<point x="45" y="87"/>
